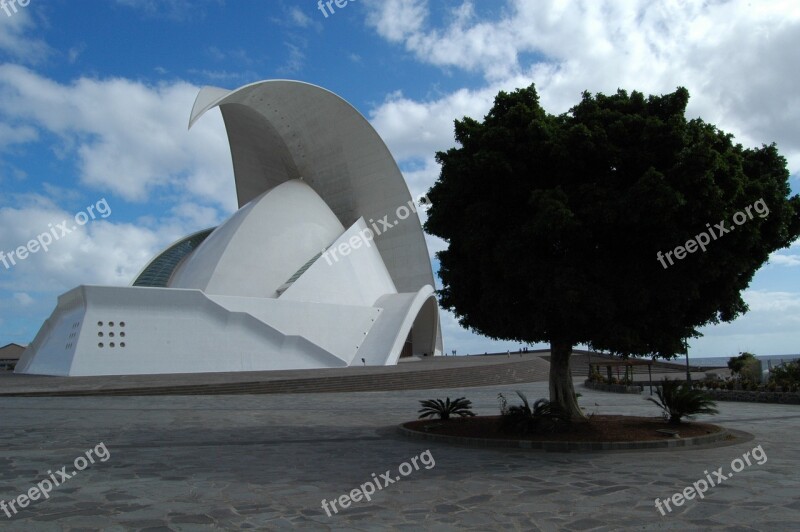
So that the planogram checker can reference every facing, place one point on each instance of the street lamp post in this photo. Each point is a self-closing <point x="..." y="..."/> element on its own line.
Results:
<point x="688" y="373"/>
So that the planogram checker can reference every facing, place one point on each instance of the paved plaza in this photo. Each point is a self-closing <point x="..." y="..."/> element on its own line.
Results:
<point x="265" y="462"/>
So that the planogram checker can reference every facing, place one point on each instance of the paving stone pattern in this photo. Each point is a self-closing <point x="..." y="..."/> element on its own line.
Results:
<point x="265" y="462"/>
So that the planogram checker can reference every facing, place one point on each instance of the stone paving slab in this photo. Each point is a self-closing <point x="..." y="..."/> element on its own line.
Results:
<point x="265" y="462"/>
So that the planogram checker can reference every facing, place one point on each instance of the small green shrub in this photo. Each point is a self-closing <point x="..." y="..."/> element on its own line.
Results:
<point x="627" y="379"/>
<point x="542" y="416"/>
<point x="786" y="375"/>
<point x="461" y="407"/>
<point x="678" y="400"/>
<point x="746" y="367"/>
<point x="594" y="375"/>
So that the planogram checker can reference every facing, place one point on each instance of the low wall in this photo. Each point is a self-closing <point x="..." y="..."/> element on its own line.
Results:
<point x="749" y="396"/>
<point x="792" y="398"/>
<point x="615" y="388"/>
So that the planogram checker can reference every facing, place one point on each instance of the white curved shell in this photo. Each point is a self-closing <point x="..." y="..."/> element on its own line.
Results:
<point x="281" y="130"/>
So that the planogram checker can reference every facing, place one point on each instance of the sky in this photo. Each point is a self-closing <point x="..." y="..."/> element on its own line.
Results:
<point x="95" y="99"/>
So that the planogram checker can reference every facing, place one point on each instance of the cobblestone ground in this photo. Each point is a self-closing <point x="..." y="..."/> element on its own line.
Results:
<point x="266" y="463"/>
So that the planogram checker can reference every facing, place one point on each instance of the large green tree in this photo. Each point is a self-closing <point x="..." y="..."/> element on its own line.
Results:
<point x="558" y="226"/>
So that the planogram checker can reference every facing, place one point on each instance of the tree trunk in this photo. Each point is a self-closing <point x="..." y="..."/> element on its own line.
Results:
<point x="561" y="390"/>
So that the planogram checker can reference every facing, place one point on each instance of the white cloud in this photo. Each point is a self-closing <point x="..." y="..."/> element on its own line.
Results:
<point x="397" y="20"/>
<point x="764" y="300"/>
<point x="769" y="328"/>
<point x="129" y="138"/>
<point x="784" y="260"/>
<point x="170" y="9"/>
<point x="15" y="38"/>
<point x="101" y="252"/>
<point x="196" y="215"/>
<point x="414" y="129"/>
<point x="23" y="299"/>
<point x="732" y="56"/>
<point x="294" y="61"/>
<point x="104" y="251"/>
<point x="10" y="135"/>
<point x="299" y="18"/>
<point x="75" y="52"/>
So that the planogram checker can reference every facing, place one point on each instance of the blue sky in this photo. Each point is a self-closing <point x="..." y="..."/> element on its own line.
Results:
<point x="95" y="99"/>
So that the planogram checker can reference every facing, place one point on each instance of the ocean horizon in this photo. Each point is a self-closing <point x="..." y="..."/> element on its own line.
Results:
<point x="722" y="361"/>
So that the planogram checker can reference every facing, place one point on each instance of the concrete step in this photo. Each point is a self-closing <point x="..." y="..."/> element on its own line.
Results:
<point x="442" y="372"/>
<point x="504" y="372"/>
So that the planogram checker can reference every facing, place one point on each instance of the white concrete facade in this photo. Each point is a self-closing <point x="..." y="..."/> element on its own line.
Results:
<point x="300" y="277"/>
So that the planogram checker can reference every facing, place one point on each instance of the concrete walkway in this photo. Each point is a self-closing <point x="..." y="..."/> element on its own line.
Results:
<point x="265" y="462"/>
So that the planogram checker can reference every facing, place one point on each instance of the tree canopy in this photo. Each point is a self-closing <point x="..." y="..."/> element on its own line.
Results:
<point x="555" y="223"/>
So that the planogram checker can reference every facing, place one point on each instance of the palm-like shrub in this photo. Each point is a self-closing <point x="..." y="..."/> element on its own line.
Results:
<point x="786" y="375"/>
<point x="444" y="409"/>
<point x="678" y="400"/>
<point x="542" y="416"/>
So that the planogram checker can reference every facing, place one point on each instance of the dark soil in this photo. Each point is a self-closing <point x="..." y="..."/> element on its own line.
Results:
<point x="598" y="429"/>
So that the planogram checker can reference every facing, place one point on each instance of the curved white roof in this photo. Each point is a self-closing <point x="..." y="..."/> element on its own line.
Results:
<point x="281" y="130"/>
<point x="256" y="250"/>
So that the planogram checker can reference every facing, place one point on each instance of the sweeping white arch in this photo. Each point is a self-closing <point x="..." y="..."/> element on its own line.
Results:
<point x="280" y="130"/>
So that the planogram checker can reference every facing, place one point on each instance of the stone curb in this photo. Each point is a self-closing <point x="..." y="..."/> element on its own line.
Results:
<point x="558" y="446"/>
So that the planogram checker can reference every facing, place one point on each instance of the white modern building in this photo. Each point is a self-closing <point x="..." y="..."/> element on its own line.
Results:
<point x="324" y="265"/>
